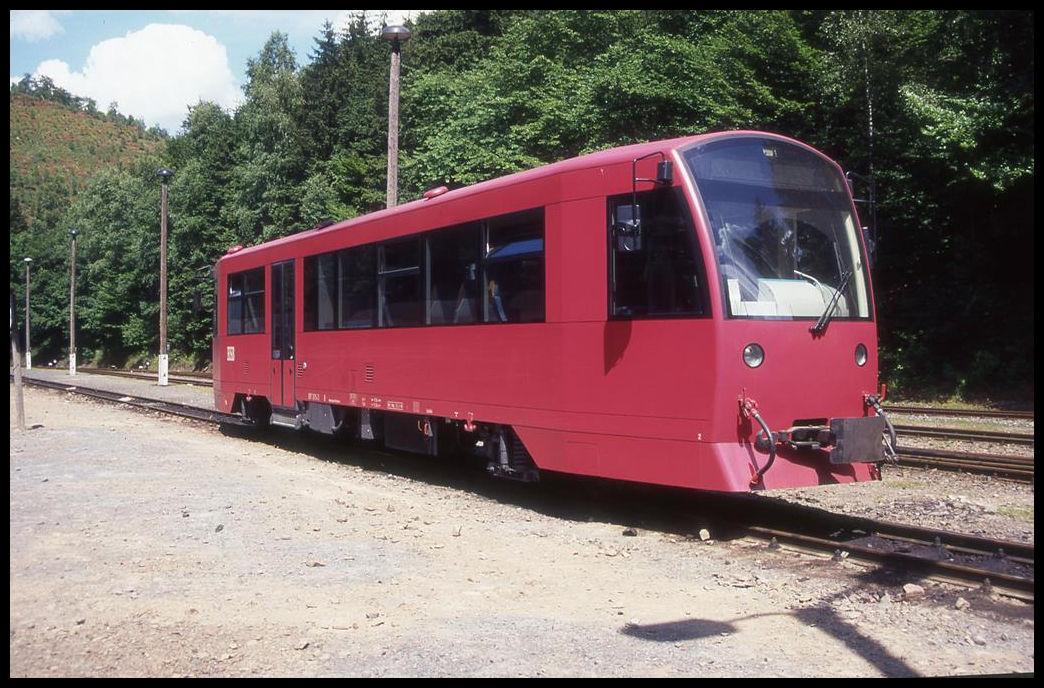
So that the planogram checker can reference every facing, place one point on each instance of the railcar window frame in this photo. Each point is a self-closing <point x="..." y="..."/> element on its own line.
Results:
<point x="514" y="255"/>
<point x="454" y="264"/>
<point x="357" y="298"/>
<point x="244" y="289"/>
<point x="658" y="246"/>
<point x="401" y="282"/>
<point x="355" y="276"/>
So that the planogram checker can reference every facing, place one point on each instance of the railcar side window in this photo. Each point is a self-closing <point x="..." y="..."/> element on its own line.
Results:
<point x="340" y="289"/>
<point x="454" y="260"/>
<point x="400" y="283"/>
<point x="514" y="268"/>
<point x="666" y="277"/>
<point x="246" y="302"/>
<point x="358" y="303"/>
<point x="325" y="283"/>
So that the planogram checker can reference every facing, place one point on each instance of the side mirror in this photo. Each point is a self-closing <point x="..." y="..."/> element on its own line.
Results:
<point x="664" y="172"/>
<point x="628" y="228"/>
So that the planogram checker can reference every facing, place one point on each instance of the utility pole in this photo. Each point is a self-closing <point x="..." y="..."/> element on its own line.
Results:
<point x="28" y="350"/>
<point x="17" y="364"/>
<point x="72" y="303"/>
<point x="396" y="35"/>
<point x="164" y="174"/>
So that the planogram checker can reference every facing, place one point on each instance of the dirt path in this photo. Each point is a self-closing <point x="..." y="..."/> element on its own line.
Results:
<point x="148" y="547"/>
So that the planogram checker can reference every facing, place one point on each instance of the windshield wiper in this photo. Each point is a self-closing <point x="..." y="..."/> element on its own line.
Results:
<point x="824" y="319"/>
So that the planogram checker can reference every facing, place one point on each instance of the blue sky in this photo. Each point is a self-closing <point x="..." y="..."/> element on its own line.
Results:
<point x="156" y="63"/>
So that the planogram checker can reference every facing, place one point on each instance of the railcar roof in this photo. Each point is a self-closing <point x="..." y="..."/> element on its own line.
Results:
<point x="610" y="156"/>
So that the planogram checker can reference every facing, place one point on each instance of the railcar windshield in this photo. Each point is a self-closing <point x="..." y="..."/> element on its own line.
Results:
<point x="785" y="237"/>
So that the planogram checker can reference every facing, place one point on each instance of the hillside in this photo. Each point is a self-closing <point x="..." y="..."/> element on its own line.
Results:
<point x="56" y="148"/>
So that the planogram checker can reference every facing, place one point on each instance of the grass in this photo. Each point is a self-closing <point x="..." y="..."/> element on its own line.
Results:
<point x="1022" y="513"/>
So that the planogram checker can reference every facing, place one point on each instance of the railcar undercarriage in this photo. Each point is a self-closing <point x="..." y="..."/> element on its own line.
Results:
<point x="499" y="445"/>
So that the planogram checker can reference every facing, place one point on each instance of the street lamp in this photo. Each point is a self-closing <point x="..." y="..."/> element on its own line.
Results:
<point x="72" y="303"/>
<point x="164" y="174"/>
<point x="396" y="35"/>
<point x="28" y="352"/>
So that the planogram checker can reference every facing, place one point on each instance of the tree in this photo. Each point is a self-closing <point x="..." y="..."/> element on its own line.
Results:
<point x="269" y="154"/>
<point x="199" y="208"/>
<point x="117" y="254"/>
<point x="940" y="102"/>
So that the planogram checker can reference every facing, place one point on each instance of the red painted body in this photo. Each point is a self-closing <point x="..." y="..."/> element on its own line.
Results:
<point x="653" y="400"/>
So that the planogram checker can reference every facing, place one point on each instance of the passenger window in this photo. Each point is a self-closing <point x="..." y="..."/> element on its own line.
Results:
<point x="340" y="289"/>
<point x="455" y="259"/>
<point x="326" y="285"/>
<point x="400" y="283"/>
<point x="664" y="278"/>
<point x="246" y="302"/>
<point x="358" y="287"/>
<point x="514" y="268"/>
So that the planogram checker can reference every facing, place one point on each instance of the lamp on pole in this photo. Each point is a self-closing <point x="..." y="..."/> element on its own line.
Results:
<point x="72" y="302"/>
<point x="164" y="174"/>
<point x="396" y="35"/>
<point x="28" y="352"/>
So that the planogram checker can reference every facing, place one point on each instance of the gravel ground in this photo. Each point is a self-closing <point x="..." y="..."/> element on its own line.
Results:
<point x="145" y="546"/>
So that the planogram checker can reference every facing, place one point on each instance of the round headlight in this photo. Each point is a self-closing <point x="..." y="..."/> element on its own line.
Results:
<point x="753" y="355"/>
<point x="860" y="355"/>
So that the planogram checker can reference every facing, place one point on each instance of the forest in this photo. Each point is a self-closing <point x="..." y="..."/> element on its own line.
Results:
<point x="934" y="106"/>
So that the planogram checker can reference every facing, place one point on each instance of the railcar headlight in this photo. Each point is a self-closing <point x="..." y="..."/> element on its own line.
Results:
<point x="860" y="355"/>
<point x="753" y="355"/>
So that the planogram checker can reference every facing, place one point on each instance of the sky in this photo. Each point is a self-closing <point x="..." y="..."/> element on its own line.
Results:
<point x="155" y="64"/>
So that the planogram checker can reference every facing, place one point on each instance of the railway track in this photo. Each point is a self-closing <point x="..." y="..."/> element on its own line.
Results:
<point x="1005" y="567"/>
<point x="1008" y="466"/>
<point x="169" y="407"/>
<point x="966" y="435"/>
<point x="994" y="461"/>
<point x="203" y="379"/>
<point x="995" y="565"/>
<point x="973" y="413"/>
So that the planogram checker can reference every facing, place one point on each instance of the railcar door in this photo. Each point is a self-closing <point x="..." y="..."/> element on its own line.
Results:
<point x="283" y="334"/>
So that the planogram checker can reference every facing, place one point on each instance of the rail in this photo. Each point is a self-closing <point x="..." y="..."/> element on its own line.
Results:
<point x="975" y="413"/>
<point x="1003" y="566"/>
<point x="170" y="407"/>
<point x="1009" y="466"/>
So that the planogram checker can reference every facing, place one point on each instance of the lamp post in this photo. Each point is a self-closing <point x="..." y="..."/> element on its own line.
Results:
<point x="164" y="174"/>
<point x="396" y="35"/>
<point x="16" y="370"/>
<point x="72" y="302"/>
<point x="28" y="352"/>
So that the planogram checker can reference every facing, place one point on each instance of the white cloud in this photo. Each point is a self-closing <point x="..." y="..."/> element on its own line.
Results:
<point x="154" y="74"/>
<point x="34" y="25"/>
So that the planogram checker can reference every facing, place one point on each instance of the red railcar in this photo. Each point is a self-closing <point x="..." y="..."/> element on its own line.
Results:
<point x="695" y="312"/>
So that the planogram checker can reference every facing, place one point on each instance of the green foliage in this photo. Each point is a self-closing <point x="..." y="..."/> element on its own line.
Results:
<point x="269" y="154"/>
<point x="560" y="83"/>
<point x="936" y="104"/>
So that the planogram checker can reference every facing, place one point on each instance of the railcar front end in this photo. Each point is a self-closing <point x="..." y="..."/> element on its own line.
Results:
<point x="797" y="343"/>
